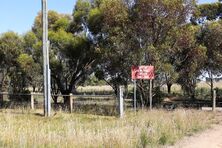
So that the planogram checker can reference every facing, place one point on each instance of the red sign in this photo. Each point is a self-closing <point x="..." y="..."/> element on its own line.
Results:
<point x="142" y="72"/>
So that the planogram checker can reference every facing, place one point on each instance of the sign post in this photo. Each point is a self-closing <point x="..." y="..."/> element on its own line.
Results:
<point x="134" y="104"/>
<point x="151" y="95"/>
<point x="142" y="72"/>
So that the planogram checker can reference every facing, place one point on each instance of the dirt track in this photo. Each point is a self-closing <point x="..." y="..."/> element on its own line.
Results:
<point x="211" y="138"/>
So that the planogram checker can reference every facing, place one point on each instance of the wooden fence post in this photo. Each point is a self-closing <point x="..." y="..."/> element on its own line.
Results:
<point x="1" y="98"/>
<point x="32" y="100"/>
<point x="71" y="102"/>
<point x="120" y="101"/>
<point x="214" y="100"/>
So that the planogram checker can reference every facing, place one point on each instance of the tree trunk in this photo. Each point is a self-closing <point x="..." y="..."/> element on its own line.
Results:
<point x="142" y="101"/>
<point x="126" y="91"/>
<point x="33" y="88"/>
<point x="192" y="94"/>
<point x="211" y="88"/>
<point x="1" y="95"/>
<point x="115" y="87"/>
<point x="169" y="88"/>
<point x="211" y="85"/>
<point x="55" y="99"/>
<point x="66" y="99"/>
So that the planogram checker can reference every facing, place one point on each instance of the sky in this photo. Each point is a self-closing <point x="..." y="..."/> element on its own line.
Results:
<point x="19" y="15"/>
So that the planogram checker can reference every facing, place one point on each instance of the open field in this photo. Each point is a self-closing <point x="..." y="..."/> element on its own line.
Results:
<point x="22" y="128"/>
<point x="85" y="128"/>
<point x="175" y="87"/>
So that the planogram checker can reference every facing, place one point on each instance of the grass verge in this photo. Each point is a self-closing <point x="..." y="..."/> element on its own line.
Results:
<point x="155" y="128"/>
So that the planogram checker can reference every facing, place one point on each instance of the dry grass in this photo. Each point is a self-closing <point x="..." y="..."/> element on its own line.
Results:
<point x="104" y="88"/>
<point x="206" y="85"/>
<point x="175" y="87"/>
<point x="142" y="129"/>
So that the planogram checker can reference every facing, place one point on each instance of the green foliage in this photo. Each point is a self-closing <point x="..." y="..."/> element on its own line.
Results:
<point x="80" y="12"/>
<point x="11" y="46"/>
<point x="53" y="17"/>
<point x="30" y="70"/>
<point x="93" y="81"/>
<point x="141" y="34"/>
<point x="210" y="37"/>
<point x="30" y="40"/>
<point x="81" y="9"/>
<point x="209" y="11"/>
<point x="95" y="20"/>
<point x="55" y="21"/>
<point x="62" y="23"/>
<point x="107" y="37"/>
<point x="72" y="54"/>
<point x="203" y="93"/>
<point x="189" y="57"/>
<point x="144" y="139"/>
<point x="169" y="73"/>
<point x="25" y="61"/>
<point x="71" y="57"/>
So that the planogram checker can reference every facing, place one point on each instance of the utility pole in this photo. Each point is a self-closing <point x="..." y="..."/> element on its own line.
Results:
<point x="46" y="69"/>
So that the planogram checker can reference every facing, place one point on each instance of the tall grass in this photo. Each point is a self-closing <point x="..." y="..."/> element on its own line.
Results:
<point x="142" y="129"/>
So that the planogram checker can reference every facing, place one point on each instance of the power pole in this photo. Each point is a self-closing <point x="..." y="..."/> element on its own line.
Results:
<point x="46" y="69"/>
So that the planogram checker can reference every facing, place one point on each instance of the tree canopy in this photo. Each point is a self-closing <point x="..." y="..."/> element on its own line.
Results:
<point x="104" y="38"/>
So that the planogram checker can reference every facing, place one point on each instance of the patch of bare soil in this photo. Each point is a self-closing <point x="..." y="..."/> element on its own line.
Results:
<point x="211" y="138"/>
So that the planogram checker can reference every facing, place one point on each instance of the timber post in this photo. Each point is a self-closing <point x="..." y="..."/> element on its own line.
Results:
<point x="71" y="102"/>
<point x="120" y="101"/>
<point x="32" y="101"/>
<point x="214" y="100"/>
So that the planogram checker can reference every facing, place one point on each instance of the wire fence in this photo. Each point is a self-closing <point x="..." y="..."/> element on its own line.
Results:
<point x="93" y="103"/>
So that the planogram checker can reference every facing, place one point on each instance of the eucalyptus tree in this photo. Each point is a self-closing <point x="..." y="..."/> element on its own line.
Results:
<point x="72" y="54"/>
<point x="107" y="23"/>
<point x="133" y="33"/>
<point x="211" y="38"/>
<point x="11" y="46"/>
<point x="209" y="11"/>
<point x="155" y="26"/>
<point x="208" y="17"/>
<point x="190" y="56"/>
<point x="29" y="61"/>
